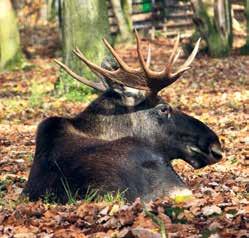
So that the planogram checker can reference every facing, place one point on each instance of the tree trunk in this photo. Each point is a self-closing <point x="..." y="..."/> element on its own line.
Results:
<point x="10" y="53"/>
<point x="245" y="49"/>
<point x="84" y="24"/>
<point x="214" y="23"/>
<point x="122" y="11"/>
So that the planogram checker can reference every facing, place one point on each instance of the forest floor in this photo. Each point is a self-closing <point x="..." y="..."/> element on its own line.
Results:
<point x="215" y="91"/>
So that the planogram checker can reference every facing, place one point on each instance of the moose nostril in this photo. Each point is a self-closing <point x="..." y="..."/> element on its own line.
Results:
<point x="216" y="151"/>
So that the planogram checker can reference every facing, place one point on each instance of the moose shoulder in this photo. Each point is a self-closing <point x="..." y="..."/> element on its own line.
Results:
<point x="124" y="140"/>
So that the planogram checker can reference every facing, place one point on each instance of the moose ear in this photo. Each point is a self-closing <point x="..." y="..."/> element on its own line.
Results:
<point x="109" y="63"/>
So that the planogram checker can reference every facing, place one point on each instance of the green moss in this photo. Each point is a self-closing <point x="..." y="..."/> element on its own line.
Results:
<point x="37" y="95"/>
<point x="217" y="47"/>
<point x="16" y="62"/>
<point x="219" y="43"/>
<point x="71" y="89"/>
<point x="245" y="49"/>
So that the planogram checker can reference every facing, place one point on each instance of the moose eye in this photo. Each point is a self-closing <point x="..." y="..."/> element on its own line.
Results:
<point x="164" y="110"/>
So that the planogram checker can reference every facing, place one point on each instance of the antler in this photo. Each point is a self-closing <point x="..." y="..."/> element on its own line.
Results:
<point x="98" y="86"/>
<point x="159" y="80"/>
<point x="142" y="78"/>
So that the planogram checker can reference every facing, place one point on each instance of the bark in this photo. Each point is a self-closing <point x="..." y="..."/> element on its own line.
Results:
<point x="84" y="24"/>
<point x="214" y="23"/>
<point x="54" y="9"/>
<point x="10" y="53"/>
<point x="51" y="9"/>
<point x="245" y="49"/>
<point x="122" y="11"/>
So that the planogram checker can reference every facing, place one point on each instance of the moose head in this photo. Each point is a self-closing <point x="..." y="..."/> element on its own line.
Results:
<point x="125" y="139"/>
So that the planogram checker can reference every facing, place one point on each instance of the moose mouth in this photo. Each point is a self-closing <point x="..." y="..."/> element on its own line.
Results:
<point x="200" y="159"/>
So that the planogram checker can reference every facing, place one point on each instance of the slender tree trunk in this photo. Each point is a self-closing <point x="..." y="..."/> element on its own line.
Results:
<point x="214" y="23"/>
<point x="245" y="49"/>
<point x="84" y="24"/>
<point x="10" y="53"/>
<point x="122" y="10"/>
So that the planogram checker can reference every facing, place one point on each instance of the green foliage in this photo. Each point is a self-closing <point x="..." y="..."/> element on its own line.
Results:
<point x="207" y="233"/>
<point x="72" y="90"/>
<point x="30" y="158"/>
<point x="218" y="47"/>
<point x="37" y="94"/>
<point x="17" y="62"/>
<point x="93" y="195"/>
<point x="3" y="189"/>
<point x="233" y="160"/>
<point x="173" y="213"/>
<point x="118" y="197"/>
<point x="72" y="198"/>
<point x="4" y="184"/>
<point x="157" y="221"/>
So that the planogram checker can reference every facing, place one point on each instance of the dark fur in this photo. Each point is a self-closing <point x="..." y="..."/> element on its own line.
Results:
<point x="113" y="148"/>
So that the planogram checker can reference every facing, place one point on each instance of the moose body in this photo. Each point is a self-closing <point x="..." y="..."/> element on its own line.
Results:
<point x="125" y="164"/>
<point x="123" y="141"/>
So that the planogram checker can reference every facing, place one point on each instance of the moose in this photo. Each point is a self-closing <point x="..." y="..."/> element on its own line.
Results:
<point x="125" y="139"/>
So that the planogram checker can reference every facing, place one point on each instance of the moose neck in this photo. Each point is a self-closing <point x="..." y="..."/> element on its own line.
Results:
<point x="106" y="119"/>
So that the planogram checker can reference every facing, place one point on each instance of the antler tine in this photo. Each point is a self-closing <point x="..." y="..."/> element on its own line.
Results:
<point x="116" y="75"/>
<point x="176" y="56"/>
<point x="95" y="68"/>
<point x="149" y="73"/>
<point x="97" y="86"/>
<point x="140" y="56"/>
<point x="190" y="59"/>
<point x="122" y="64"/>
<point x="148" y="57"/>
<point x="173" y="55"/>
<point x="193" y="54"/>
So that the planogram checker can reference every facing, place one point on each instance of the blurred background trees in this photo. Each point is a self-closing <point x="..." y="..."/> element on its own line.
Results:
<point x="213" y="22"/>
<point x="83" y="24"/>
<point x="10" y="50"/>
<point x="122" y="11"/>
<point x="245" y="49"/>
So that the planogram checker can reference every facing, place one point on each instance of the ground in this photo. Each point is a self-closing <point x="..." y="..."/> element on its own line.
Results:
<point x="215" y="91"/>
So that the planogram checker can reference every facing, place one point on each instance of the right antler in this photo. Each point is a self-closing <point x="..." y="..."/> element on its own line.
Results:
<point x="142" y="78"/>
